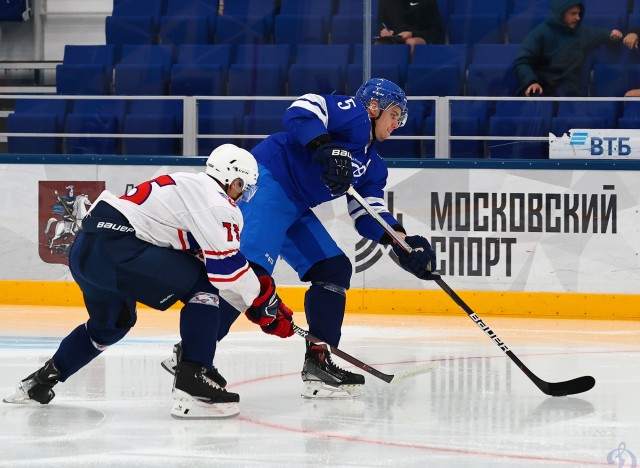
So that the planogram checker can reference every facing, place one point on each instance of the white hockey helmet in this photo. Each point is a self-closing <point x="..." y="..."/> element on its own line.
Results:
<point x="228" y="162"/>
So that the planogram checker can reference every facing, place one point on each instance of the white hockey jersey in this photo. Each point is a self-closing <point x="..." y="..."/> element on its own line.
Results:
<point x="186" y="211"/>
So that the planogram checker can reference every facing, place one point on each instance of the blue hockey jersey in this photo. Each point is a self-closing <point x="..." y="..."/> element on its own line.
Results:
<point x="291" y="163"/>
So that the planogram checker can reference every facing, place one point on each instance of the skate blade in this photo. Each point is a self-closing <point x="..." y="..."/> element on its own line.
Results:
<point x="187" y="407"/>
<point x="320" y="390"/>
<point x="20" y="397"/>
<point x="169" y="365"/>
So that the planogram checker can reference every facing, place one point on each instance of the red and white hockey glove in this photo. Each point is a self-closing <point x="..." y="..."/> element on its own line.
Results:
<point x="269" y="312"/>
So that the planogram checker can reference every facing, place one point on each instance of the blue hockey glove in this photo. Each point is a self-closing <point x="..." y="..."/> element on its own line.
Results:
<point x="421" y="262"/>
<point x="337" y="173"/>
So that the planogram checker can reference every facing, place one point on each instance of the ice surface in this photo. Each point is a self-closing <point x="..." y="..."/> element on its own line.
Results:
<point x="476" y="410"/>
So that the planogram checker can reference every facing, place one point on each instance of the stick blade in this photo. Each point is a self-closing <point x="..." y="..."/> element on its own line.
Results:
<point x="417" y="370"/>
<point x="570" y="387"/>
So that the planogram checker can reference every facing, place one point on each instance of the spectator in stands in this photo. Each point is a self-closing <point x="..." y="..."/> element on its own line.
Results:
<point x="552" y="56"/>
<point x="408" y="22"/>
<point x="631" y="39"/>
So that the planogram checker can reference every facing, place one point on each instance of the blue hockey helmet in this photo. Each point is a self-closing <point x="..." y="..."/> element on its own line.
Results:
<point x="386" y="93"/>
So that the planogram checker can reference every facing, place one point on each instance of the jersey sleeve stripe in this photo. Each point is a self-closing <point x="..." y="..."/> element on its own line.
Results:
<point x="214" y="278"/>
<point x="221" y="254"/>
<point x="356" y="210"/>
<point x="314" y="104"/>
<point x="182" y="240"/>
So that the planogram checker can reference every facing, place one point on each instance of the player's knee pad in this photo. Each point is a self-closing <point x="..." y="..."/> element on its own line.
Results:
<point x="333" y="274"/>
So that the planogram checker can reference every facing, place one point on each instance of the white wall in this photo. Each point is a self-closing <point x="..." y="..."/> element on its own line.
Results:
<point x="61" y="22"/>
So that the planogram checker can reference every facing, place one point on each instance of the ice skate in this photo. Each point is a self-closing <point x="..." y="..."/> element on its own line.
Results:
<point x="38" y="387"/>
<point x="198" y="393"/>
<point x="323" y="379"/>
<point x="170" y="364"/>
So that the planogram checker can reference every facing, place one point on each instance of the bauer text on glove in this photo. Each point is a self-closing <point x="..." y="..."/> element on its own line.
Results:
<point x="337" y="173"/>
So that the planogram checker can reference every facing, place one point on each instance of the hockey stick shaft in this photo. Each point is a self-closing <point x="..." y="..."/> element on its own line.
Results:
<point x="421" y="369"/>
<point x="579" y="385"/>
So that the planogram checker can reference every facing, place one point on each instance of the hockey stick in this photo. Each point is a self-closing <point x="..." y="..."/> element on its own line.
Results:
<point x="569" y="387"/>
<point x="417" y="370"/>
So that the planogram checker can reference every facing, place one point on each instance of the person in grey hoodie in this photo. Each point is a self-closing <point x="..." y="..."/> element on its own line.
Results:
<point x="552" y="56"/>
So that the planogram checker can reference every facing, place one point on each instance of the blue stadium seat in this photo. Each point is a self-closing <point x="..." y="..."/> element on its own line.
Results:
<point x="177" y="30"/>
<point x="525" y="108"/>
<point x="396" y="54"/>
<point x="58" y="107"/>
<point x="33" y="123"/>
<point x="627" y="122"/>
<point x="121" y="30"/>
<point x="434" y="80"/>
<point x="355" y="75"/>
<point x="442" y="55"/>
<point x="94" y="116"/>
<point x="597" y="8"/>
<point x="262" y="124"/>
<point x="491" y="80"/>
<point x="201" y="70"/>
<point x="495" y="54"/>
<point x="151" y="8"/>
<point x="299" y="29"/>
<point x="205" y="54"/>
<point x="315" y="78"/>
<point x="255" y="80"/>
<point x="312" y="57"/>
<point x="141" y="80"/>
<point x="473" y="29"/>
<point x="268" y="107"/>
<point x="486" y="7"/>
<point x="612" y="79"/>
<point x="327" y="54"/>
<point x="531" y="7"/>
<point x="518" y="126"/>
<point x="235" y="30"/>
<point x="562" y="124"/>
<point x="612" y="19"/>
<point x="609" y="110"/>
<point x="226" y="107"/>
<point x="521" y="24"/>
<point x="91" y="123"/>
<point x="85" y="69"/>
<point x="212" y="124"/>
<point x="198" y="80"/>
<point x="161" y="116"/>
<point x="144" y="70"/>
<point x="322" y="9"/>
<point x="631" y="109"/>
<point x="264" y="54"/>
<point x="200" y="8"/>
<point x="467" y="125"/>
<point x="163" y="124"/>
<point x="347" y="29"/>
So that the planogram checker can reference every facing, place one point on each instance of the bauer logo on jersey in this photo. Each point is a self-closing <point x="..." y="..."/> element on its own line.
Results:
<point x="62" y="205"/>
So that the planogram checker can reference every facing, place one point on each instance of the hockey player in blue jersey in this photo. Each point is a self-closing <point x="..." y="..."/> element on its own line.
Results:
<point x="328" y="145"/>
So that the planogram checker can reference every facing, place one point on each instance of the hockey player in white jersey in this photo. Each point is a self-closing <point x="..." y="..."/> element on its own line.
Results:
<point x="139" y="247"/>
